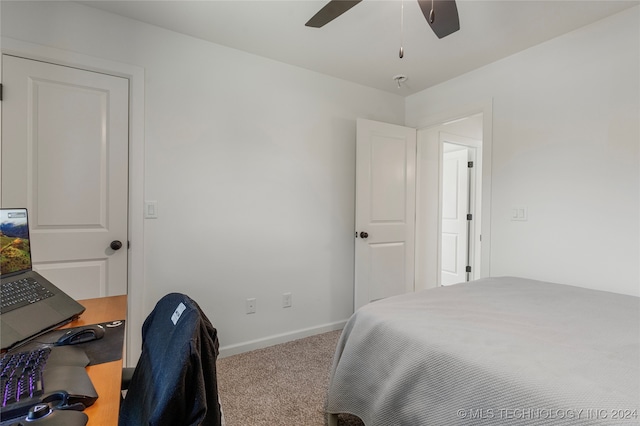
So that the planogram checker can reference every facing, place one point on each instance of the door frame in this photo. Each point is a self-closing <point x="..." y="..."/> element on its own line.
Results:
<point x="136" y="308"/>
<point x="429" y="175"/>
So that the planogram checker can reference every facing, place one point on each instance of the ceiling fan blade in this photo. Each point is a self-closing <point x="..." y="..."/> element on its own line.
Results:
<point x="443" y="17"/>
<point x="331" y="11"/>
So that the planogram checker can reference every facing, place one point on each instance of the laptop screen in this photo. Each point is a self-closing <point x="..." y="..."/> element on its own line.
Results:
<point x="15" y="251"/>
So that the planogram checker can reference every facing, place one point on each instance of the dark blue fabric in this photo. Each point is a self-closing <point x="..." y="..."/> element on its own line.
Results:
<point x="174" y="382"/>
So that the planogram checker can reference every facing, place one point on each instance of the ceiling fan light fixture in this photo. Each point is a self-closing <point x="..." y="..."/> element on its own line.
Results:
<point x="399" y="79"/>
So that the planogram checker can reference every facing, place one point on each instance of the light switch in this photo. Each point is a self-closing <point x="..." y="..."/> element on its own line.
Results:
<point x="151" y="209"/>
<point x="519" y="214"/>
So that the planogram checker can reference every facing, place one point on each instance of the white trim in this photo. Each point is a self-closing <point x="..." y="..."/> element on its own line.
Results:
<point x="135" y="75"/>
<point x="279" y="338"/>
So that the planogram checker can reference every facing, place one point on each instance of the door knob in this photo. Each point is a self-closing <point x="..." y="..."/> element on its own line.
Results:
<point x="363" y="235"/>
<point x="115" y="245"/>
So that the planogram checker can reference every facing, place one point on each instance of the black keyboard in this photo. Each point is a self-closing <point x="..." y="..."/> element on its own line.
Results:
<point x="21" y="292"/>
<point x="44" y="374"/>
<point x="21" y="376"/>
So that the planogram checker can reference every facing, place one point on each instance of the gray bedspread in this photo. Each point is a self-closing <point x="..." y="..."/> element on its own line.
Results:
<point x="493" y="351"/>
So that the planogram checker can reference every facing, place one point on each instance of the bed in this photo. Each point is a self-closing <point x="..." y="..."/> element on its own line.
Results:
<point x="493" y="351"/>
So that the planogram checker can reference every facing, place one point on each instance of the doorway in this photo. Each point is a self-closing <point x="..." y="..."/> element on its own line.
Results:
<point x="450" y="170"/>
<point x="135" y="75"/>
<point x="470" y="126"/>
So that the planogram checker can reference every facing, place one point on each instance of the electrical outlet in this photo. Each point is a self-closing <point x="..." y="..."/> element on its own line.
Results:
<point x="251" y="305"/>
<point x="286" y="300"/>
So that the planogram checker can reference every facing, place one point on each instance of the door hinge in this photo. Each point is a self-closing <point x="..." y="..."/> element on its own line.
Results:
<point x="469" y="216"/>
<point x="0" y="91"/>
<point x="470" y="164"/>
<point x="468" y="269"/>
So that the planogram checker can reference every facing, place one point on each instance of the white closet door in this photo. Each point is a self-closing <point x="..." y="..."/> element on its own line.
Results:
<point x="65" y="158"/>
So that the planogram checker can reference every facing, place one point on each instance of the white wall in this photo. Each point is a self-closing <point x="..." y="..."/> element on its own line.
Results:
<point x="566" y="143"/>
<point x="252" y="163"/>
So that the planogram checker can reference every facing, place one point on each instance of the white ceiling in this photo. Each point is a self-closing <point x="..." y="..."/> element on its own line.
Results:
<point x="362" y="45"/>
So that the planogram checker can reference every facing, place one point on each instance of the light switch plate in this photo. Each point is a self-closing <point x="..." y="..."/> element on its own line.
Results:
<point x="519" y="213"/>
<point x="151" y="209"/>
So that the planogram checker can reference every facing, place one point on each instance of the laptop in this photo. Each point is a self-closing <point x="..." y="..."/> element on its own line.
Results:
<point x="30" y="305"/>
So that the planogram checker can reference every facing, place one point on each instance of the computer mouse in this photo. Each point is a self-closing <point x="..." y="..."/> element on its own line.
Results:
<point x="81" y="335"/>
<point x="43" y="414"/>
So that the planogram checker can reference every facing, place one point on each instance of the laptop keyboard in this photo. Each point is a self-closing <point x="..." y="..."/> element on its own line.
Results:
<point x="22" y="292"/>
<point x="21" y="376"/>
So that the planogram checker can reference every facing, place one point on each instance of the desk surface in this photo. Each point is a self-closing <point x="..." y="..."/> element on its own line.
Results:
<point x="106" y="377"/>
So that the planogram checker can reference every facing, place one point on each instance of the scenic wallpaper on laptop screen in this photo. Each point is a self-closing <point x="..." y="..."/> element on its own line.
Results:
<point x="15" y="254"/>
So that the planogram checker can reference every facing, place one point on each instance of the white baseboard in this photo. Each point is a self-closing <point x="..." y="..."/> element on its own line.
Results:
<point x="279" y="338"/>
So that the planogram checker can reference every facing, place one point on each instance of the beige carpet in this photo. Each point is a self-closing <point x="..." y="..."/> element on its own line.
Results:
<point x="281" y="385"/>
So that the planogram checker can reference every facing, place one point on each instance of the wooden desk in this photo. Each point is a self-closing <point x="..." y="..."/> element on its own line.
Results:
<point x="106" y="377"/>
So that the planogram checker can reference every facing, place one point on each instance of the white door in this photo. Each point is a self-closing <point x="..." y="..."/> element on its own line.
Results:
<point x="455" y="206"/>
<point x="385" y="211"/>
<point x="65" y="158"/>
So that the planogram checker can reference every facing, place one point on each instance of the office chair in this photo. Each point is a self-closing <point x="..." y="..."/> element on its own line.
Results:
<point x="174" y="382"/>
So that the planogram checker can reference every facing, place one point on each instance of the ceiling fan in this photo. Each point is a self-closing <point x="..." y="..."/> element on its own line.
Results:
<point x="442" y="15"/>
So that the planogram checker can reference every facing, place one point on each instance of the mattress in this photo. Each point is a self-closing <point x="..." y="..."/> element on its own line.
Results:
<point x="493" y="351"/>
